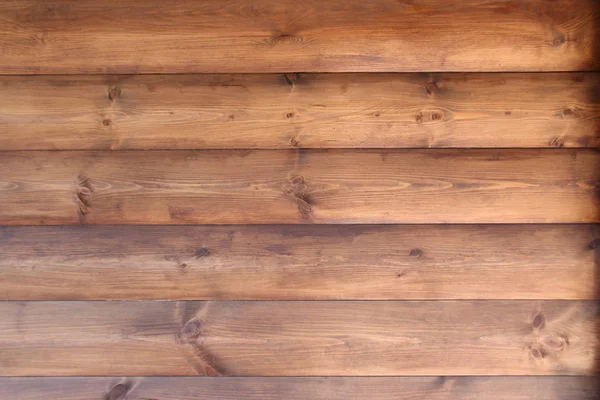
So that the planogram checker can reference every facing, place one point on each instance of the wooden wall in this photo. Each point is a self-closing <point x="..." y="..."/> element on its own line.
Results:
<point x="285" y="199"/>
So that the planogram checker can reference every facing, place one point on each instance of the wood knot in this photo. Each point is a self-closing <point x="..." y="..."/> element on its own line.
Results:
<point x="291" y="79"/>
<point x="286" y="38"/>
<point x="289" y="115"/>
<point x="295" y="142"/>
<point x="538" y="321"/>
<point x="431" y="88"/>
<point x="429" y="116"/>
<point x="303" y="205"/>
<point x="557" y="142"/>
<point x="594" y="244"/>
<point x="416" y="253"/>
<point x="297" y="180"/>
<point x="106" y="122"/>
<point x="83" y="194"/>
<point x="555" y="342"/>
<point x="191" y="329"/>
<point x="118" y="392"/>
<point x="419" y="118"/>
<point x="114" y="93"/>
<point x="537" y="351"/>
<point x="297" y="190"/>
<point x="202" y="252"/>
<point x="568" y="112"/>
<point x="558" y="41"/>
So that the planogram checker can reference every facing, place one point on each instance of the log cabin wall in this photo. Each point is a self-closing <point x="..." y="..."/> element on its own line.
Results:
<point x="285" y="199"/>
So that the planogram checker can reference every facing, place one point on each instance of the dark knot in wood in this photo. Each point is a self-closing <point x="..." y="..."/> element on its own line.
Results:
<point x="432" y="88"/>
<point x="114" y="93"/>
<point x="118" y="392"/>
<point x="191" y="329"/>
<point x="83" y="194"/>
<point x="202" y="252"/>
<point x="291" y="79"/>
<point x="297" y="190"/>
<point x="538" y="321"/>
<point x="416" y="253"/>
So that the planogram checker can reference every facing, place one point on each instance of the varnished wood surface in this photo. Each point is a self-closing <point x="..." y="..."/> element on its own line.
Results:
<point x="335" y="388"/>
<point x="299" y="262"/>
<point x="299" y="111"/>
<point x="299" y="338"/>
<point x="154" y="36"/>
<point x="299" y="186"/>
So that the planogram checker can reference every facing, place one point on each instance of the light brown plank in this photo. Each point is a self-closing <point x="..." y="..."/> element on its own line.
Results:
<point x="299" y="110"/>
<point x="299" y="262"/>
<point x="335" y="388"/>
<point x="337" y="338"/>
<point x="281" y="186"/>
<point x="153" y="36"/>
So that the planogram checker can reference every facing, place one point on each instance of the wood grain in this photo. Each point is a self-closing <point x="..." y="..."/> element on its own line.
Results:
<point x="334" y="388"/>
<point x="153" y="36"/>
<point x="299" y="111"/>
<point x="299" y="338"/>
<point x="379" y="262"/>
<point x="281" y="186"/>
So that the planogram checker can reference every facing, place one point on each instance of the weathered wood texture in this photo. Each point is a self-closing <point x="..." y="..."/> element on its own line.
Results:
<point x="299" y="338"/>
<point x="299" y="186"/>
<point x="299" y="110"/>
<point x="333" y="388"/>
<point x="154" y="36"/>
<point x="299" y="262"/>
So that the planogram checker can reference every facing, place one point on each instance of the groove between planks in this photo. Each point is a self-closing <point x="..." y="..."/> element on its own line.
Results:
<point x="413" y="388"/>
<point x="319" y="338"/>
<point x="299" y="111"/>
<point x="271" y="262"/>
<point x="153" y="36"/>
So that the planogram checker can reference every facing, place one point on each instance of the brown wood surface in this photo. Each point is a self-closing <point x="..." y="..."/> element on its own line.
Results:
<point x="154" y="36"/>
<point x="333" y="388"/>
<point x="256" y="338"/>
<point x="299" y="111"/>
<point x="299" y="186"/>
<point x="299" y="262"/>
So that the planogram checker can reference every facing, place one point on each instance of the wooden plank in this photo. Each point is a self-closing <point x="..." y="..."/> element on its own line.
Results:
<point x="333" y="388"/>
<point x="153" y="36"/>
<point x="332" y="338"/>
<point x="379" y="262"/>
<point x="299" y="110"/>
<point x="299" y="186"/>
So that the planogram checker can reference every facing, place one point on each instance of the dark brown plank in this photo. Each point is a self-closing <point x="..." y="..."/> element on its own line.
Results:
<point x="154" y="36"/>
<point x="299" y="110"/>
<point x="281" y="186"/>
<point x="491" y="337"/>
<point x="334" y="388"/>
<point x="380" y="262"/>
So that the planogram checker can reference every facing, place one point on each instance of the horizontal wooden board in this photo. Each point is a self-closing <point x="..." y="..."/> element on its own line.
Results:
<point x="154" y="36"/>
<point x="333" y="388"/>
<point x="299" y="262"/>
<point x="299" y="111"/>
<point x="492" y="337"/>
<point x="299" y="186"/>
